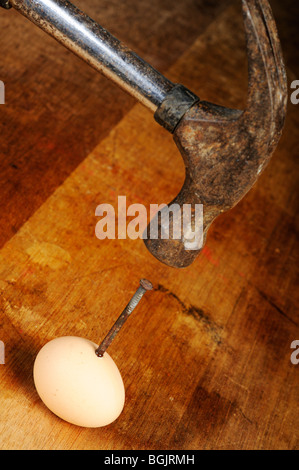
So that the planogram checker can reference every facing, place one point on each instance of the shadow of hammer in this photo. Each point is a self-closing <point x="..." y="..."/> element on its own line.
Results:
<point x="224" y="150"/>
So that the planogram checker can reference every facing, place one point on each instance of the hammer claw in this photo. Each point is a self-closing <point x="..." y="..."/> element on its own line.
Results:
<point x="267" y="89"/>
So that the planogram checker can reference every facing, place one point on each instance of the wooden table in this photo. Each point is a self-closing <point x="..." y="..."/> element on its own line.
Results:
<point x="206" y="356"/>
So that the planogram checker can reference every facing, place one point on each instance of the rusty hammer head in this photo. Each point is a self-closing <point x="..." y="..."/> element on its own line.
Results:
<point x="225" y="150"/>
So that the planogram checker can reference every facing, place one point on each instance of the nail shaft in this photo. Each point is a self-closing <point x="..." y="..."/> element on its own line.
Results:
<point x="145" y="285"/>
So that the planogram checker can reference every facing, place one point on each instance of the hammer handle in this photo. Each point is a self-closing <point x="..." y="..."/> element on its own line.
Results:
<point x="88" y="40"/>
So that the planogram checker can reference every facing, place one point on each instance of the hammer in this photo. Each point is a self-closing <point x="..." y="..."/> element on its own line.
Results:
<point x="224" y="150"/>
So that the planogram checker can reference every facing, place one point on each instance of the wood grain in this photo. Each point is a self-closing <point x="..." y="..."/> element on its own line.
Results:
<point x="58" y="108"/>
<point x="206" y="356"/>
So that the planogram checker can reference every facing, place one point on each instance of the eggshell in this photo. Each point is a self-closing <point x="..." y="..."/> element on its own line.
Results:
<point x="76" y="384"/>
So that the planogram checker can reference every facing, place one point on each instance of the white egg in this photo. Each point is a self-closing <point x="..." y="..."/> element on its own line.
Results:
<point x="76" y="384"/>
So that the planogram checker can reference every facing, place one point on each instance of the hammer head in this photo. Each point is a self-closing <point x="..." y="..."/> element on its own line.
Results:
<point x="225" y="150"/>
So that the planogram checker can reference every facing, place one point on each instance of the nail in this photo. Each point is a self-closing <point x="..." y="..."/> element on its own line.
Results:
<point x="145" y="285"/>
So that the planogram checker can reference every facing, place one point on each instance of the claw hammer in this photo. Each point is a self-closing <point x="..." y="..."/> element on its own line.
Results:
<point x="224" y="150"/>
